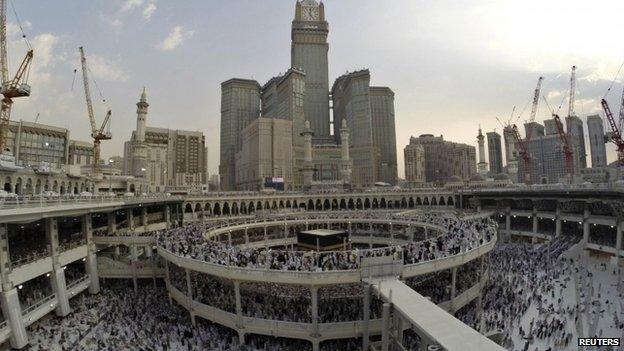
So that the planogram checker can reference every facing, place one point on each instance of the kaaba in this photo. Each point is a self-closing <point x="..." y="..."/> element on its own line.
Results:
<point x="322" y="239"/>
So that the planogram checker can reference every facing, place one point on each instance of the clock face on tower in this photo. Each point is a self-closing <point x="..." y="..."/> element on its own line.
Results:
<point x="310" y="13"/>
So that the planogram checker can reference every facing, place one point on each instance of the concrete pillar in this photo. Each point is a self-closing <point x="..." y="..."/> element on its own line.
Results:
<point x="167" y="216"/>
<point x="189" y="294"/>
<point x="130" y="217"/>
<point x="585" y="226"/>
<point x="366" y="321"/>
<point x="143" y="216"/>
<point x="59" y="287"/>
<point x="315" y="317"/>
<point x="51" y="230"/>
<point x="5" y="261"/>
<point x="400" y="325"/>
<point x="239" y="307"/>
<point x="91" y="267"/>
<point x="508" y="222"/>
<point x="557" y="221"/>
<point x="266" y="239"/>
<point x="246" y="236"/>
<point x="112" y="223"/>
<point x="619" y="237"/>
<point x="168" y="281"/>
<point x="534" y="217"/>
<point x="385" y="328"/>
<point x="229" y="236"/>
<point x="133" y="260"/>
<point x="12" y="312"/>
<point x="91" y="259"/>
<point x="453" y="289"/>
<point x="315" y="345"/>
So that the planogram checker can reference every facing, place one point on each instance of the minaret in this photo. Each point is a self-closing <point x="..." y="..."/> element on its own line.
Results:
<point x="308" y="166"/>
<point x="139" y="154"/>
<point x="142" y="106"/>
<point x="482" y="166"/>
<point x="344" y="146"/>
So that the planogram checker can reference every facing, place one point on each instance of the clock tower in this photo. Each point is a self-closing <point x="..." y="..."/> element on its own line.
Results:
<point x="309" y="53"/>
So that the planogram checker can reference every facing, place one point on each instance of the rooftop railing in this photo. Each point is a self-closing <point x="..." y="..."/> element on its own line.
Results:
<point x="35" y="201"/>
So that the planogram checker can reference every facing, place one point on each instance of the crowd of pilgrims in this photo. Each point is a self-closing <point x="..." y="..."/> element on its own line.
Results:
<point x="458" y="236"/>
<point x="525" y="276"/>
<point x="119" y="319"/>
<point x="289" y="303"/>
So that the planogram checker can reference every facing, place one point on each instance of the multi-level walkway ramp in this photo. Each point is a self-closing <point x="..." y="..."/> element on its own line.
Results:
<point x="433" y="325"/>
<point x="404" y="308"/>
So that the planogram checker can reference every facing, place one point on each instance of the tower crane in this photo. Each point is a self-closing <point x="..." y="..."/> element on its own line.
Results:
<point x="536" y="96"/>
<point x="11" y="87"/>
<point x="523" y="150"/>
<point x="98" y="134"/>
<point x="614" y="135"/>
<point x="567" y="148"/>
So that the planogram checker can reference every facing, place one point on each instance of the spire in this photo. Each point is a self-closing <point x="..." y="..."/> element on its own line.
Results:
<point x="143" y="96"/>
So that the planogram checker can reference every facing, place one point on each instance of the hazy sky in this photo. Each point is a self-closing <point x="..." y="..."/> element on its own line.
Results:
<point x="452" y="64"/>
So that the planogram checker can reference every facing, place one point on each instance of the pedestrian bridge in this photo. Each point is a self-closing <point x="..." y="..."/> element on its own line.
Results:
<point x="433" y="325"/>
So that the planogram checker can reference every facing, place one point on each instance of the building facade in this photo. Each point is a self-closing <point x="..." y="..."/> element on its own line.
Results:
<point x="80" y="153"/>
<point x="266" y="152"/>
<point x="445" y="159"/>
<point x="240" y="104"/>
<point x="414" y="159"/>
<point x="170" y="160"/>
<point x="34" y="143"/>
<point x="495" y="152"/>
<point x="597" y="146"/>
<point x="384" y="132"/>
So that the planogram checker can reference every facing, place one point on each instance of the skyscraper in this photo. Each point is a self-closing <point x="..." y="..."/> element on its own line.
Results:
<point x="351" y="97"/>
<point x="309" y="49"/>
<point x="384" y="136"/>
<point x="575" y="129"/>
<point x="595" y="130"/>
<point x="240" y="104"/>
<point x="495" y="152"/>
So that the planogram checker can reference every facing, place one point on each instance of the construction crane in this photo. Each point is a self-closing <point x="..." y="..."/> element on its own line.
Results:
<point x="536" y="96"/>
<point x="523" y="150"/>
<point x="98" y="134"/>
<point x="572" y="92"/>
<point x="614" y="135"/>
<point x="13" y="87"/>
<point x="567" y="148"/>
